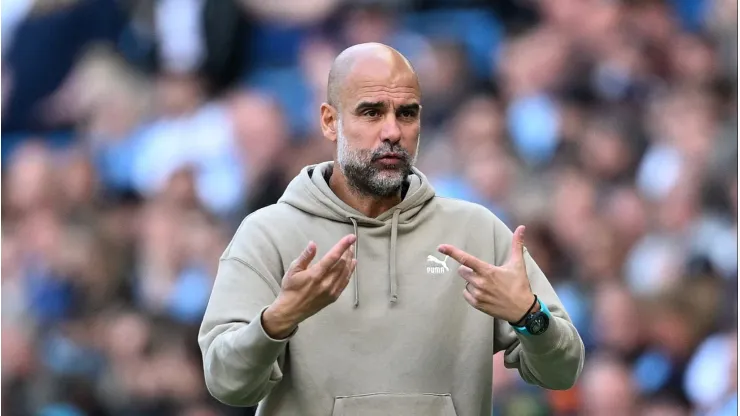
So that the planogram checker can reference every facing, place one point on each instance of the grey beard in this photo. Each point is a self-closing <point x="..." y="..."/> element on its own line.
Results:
<point x="363" y="176"/>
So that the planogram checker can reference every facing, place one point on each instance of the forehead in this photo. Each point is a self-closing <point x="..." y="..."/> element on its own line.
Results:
<point x="377" y="80"/>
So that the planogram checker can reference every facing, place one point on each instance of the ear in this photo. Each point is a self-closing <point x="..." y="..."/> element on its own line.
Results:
<point x="329" y="121"/>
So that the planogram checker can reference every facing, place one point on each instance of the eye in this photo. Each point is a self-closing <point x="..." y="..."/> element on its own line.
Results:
<point x="372" y="113"/>
<point x="409" y="114"/>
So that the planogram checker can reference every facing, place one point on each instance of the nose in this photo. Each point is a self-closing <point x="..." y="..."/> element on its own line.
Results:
<point x="391" y="131"/>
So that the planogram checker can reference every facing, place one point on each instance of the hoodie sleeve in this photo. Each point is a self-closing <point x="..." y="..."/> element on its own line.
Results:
<point x="553" y="360"/>
<point x="241" y="362"/>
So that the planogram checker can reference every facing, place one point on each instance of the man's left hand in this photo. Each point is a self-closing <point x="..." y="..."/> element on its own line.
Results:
<point x="500" y="291"/>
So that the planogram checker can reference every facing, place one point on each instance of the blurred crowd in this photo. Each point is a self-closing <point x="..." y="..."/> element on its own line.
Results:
<point x="136" y="134"/>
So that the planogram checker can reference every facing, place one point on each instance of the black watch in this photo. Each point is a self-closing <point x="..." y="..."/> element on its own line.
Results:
<point x="535" y="323"/>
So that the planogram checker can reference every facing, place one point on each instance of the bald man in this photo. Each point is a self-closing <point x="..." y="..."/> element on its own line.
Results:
<point x="362" y="293"/>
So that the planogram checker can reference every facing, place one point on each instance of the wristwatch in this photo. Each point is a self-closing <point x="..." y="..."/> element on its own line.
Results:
<point x="534" y="323"/>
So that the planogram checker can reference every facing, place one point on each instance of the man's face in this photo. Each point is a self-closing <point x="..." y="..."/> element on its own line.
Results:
<point x="378" y="131"/>
<point x="378" y="172"/>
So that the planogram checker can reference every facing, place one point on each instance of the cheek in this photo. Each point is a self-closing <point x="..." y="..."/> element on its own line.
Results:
<point x="361" y="136"/>
<point x="411" y="136"/>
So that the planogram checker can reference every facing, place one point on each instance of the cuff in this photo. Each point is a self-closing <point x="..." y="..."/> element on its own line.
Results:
<point x="545" y="343"/>
<point x="261" y="346"/>
<point x="262" y="328"/>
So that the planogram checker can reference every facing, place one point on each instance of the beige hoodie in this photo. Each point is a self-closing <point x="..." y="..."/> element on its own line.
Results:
<point x="401" y="339"/>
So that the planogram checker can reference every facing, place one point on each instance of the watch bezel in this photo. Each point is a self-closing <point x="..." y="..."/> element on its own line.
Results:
<point x="530" y="322"/>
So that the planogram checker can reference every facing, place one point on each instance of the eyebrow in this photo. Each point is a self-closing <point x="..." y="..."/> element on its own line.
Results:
<point x="379" y="105"/>
<point x="415" y="107"/>
<point x="367" y="105"/>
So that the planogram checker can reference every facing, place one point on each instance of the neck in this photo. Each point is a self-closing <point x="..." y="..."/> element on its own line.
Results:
<point x="368" y="205"/>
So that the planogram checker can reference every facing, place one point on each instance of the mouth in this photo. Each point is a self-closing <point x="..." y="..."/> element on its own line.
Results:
<point x="389" y="157"/>
<point x="390" y="160"/>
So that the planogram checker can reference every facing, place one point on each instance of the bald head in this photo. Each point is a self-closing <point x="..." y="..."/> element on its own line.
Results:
<point x="361" y="60"/>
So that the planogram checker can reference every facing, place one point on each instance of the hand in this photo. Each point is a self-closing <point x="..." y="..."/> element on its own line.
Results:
<point x="308" y="289"/>
<point x="502" y="292"/>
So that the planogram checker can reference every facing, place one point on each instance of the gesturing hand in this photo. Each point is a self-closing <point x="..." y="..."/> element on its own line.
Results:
<point x="502" y="292"/>
<point x="308" y="289"/>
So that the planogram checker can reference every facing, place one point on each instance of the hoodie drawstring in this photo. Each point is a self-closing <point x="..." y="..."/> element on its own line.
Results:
<point x="356" y="276"/>
<point x="392" y="277"/>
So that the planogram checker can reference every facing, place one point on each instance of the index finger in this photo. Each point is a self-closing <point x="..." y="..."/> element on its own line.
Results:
<point x="463" y="258"/>
<point x="336" y="252"/>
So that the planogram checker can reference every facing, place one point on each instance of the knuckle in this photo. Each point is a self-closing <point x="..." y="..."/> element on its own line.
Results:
<point x="325" y="285"/>
<point x="471" y="289"/>
<point x="315" y="279"/>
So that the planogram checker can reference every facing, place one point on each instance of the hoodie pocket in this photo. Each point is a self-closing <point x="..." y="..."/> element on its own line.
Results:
<point x="391" y="404"/>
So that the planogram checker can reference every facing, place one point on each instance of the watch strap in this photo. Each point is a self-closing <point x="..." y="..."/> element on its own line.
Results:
<point x="523" y="329"/>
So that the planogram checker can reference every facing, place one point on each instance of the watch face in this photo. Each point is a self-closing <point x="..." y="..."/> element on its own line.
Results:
<point x="538" y="323"/>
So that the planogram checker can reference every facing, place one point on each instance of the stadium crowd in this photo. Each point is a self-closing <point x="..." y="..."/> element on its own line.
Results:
<point x="138" y="134"/>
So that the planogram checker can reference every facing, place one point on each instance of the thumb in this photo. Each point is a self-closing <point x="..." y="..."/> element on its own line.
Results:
<point x="304" y="260"/>
<point x="517" y="246"/>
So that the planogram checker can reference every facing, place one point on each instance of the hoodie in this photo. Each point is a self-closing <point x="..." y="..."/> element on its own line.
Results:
<point x="401" y="339"/>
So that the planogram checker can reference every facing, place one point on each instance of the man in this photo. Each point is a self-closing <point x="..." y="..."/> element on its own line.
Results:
<point x="281" y="330"/>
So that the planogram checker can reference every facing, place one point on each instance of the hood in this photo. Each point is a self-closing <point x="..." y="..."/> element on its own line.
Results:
<point x="310" y="193"/>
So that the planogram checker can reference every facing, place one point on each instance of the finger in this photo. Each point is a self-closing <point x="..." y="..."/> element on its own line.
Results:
<point x="337" y="277"/>
<point x="349" y="268"/>
<point x="463" y="258"/>
<point x="345" y="272"/>
<point x="341" y="284"/>
<point x="467" y="273"/>
<point x="476" y="291"/>
<point x="475" y="282"/>
<point x="304" y="260"/>
<point x="472" y="300"/>
<point x="335" y="254"/>
<point x="352" y="267"/>
<point x="517" y="246"/>
<point x="339" y="268"/>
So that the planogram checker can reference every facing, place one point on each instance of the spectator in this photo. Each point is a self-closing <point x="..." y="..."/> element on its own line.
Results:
<point x="138" y="135"/>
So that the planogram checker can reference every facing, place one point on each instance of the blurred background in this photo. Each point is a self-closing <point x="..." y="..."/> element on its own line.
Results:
<point x="136" y="134"/>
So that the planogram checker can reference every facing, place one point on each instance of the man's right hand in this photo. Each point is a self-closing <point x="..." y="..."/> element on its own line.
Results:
<point x="308" y="289"/>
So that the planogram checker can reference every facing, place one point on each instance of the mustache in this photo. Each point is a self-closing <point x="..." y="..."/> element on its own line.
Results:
<point x="385" y="150"/>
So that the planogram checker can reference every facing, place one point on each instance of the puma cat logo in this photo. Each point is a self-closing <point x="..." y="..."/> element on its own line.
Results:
<point x="442" y="265"/>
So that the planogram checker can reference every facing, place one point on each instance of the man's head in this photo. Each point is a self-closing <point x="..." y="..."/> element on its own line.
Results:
<point x="373" y="114"/>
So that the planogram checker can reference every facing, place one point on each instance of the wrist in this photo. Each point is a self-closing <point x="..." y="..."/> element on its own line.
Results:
<point x="528" y="306"/>
<point x="277" y="323"/>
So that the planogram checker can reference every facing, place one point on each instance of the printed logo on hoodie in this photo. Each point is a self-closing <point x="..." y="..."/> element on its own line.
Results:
<point x="440" y="266"/>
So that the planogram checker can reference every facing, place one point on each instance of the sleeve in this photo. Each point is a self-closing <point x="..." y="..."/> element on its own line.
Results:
<point x="241" y="362"/>
<point x="553" y="360"/>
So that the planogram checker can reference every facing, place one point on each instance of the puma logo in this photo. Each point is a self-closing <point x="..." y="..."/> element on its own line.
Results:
<point x="437" y="269"/>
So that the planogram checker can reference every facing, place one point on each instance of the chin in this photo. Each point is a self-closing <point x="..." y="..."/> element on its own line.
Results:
<point x="391" y="181"/>
<point x="391" y="175"/>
